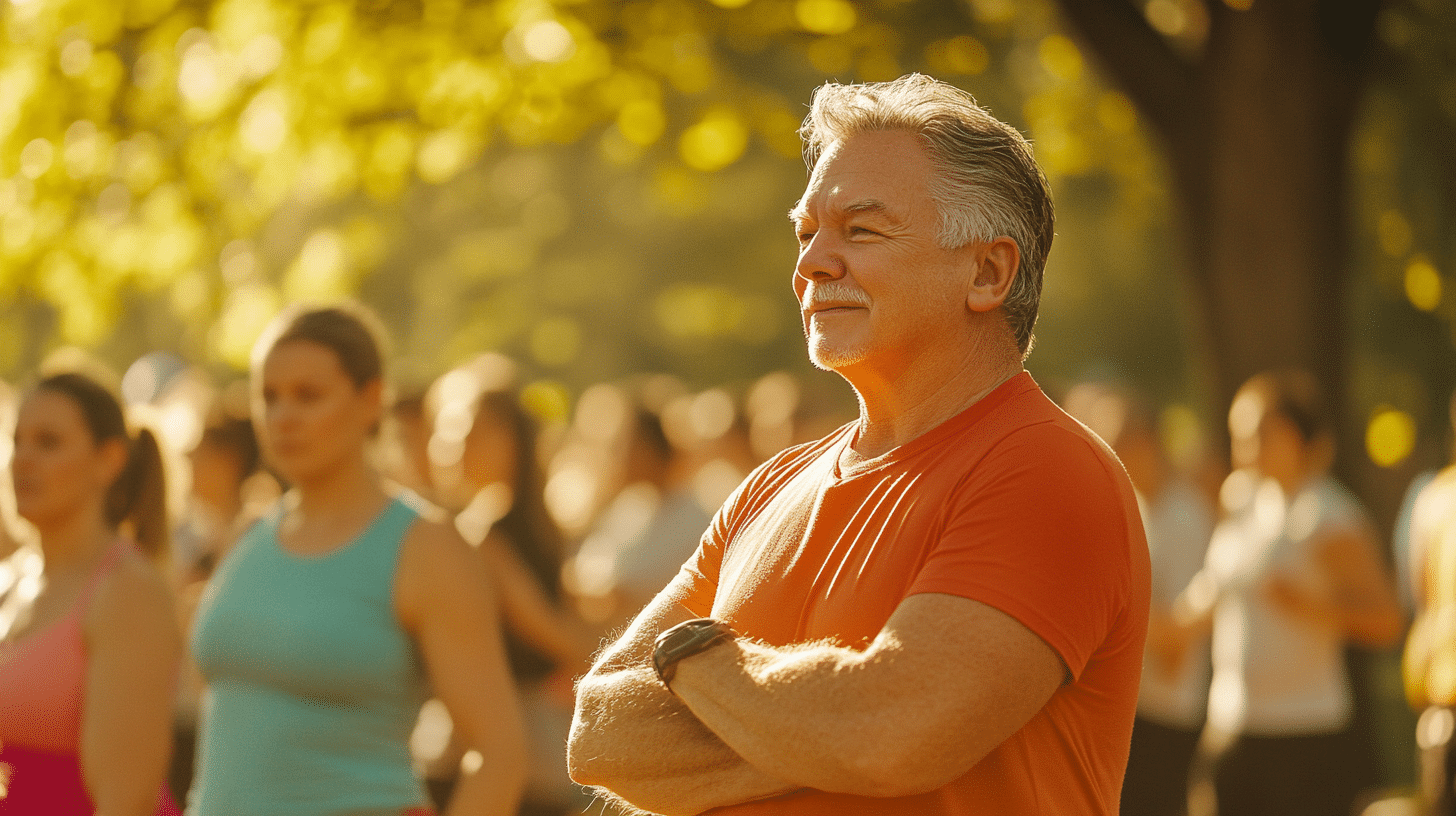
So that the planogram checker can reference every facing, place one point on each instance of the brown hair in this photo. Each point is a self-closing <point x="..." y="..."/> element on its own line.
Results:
<point x="349" y="330"/>
<point x="138" y="497"/>
<point x="1296" y="395"/>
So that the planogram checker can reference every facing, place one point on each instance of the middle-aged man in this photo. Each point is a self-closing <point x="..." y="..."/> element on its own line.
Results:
<point x="939" y="608"/>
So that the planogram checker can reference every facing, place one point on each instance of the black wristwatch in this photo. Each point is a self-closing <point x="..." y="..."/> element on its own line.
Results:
<point x="686" y="639"/>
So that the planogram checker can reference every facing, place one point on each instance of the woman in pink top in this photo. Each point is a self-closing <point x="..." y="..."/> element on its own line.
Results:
<point x="88" y="661"/>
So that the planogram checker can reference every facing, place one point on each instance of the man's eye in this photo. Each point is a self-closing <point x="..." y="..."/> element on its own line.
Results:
<point x="806" y="237"/>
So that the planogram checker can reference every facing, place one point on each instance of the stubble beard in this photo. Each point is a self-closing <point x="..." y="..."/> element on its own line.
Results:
<point x="828" y="355"/>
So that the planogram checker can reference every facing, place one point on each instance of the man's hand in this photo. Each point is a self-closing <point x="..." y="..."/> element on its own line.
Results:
<point x="634" y="739"/>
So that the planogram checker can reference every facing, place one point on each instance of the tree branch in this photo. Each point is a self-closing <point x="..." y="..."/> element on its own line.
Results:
<point x="1159" y="81"/>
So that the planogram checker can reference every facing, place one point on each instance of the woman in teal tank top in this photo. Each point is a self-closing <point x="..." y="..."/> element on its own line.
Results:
<point x="330" y="619"/>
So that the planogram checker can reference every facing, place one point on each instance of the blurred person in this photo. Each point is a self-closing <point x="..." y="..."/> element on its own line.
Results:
<point x="486" y="466"/>
<point x="649" y="530"/>
<point x="1409" y="579"/>
<point x="407" y="460"/>
<point x="585" y="472"/>
<point x="220" y="504"/>
<point x="1429" y="664"/>
<point x="328" y="623"/>
<point x="1292" y="576"/>
<point x="1178" y="520"/>
<point x="89" y="651"/>
<point x="939" y="608"/>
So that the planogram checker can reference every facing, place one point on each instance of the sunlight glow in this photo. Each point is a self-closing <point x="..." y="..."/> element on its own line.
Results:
<point x="548" y="41"/>
<point x="1060" y="57"/>
<point x="1423" y="287"/>
<point x="1390" y="436"/>
<point x="825" y="16"/>
<point x="715" y="142"/>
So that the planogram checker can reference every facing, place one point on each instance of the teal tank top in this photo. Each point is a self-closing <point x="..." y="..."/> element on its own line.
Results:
<point x="313" y="686"/>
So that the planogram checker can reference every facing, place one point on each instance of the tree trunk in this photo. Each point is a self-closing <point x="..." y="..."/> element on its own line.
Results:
<point x="1256" y="129"/>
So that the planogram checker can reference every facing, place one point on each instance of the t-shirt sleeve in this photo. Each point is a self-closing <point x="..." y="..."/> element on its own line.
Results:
<point x="698" y="578"/>
<point x="1040" y="530"/>
<point x="697" y="581"/>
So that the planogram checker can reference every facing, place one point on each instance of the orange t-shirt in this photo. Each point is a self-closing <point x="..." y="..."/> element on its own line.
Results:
<point x="1011" y="503"/>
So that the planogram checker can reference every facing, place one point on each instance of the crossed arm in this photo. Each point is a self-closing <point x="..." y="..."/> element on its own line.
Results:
<point x="946" y="681"/>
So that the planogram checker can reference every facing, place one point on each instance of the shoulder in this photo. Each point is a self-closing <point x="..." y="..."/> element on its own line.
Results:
<point x="770" y="477"/>
<point x="1436" y="498"/>
<point x="133" y="595"/>
<point x="1057" y="453"/>
<point x="1327" y="506"/>
<point x="434" y="561"/>
<point x="432" y="545"/>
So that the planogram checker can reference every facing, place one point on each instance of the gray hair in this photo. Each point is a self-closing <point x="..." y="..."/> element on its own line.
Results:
<point x="988" y="184"/>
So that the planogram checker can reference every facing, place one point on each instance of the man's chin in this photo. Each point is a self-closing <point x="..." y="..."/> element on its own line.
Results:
<point x="833" y="358"/>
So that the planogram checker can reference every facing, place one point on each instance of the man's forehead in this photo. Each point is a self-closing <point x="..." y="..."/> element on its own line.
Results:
<point x="858" y="175"/>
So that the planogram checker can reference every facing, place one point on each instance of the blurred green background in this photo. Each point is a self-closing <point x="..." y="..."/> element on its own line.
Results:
<point x="598" y="188"/>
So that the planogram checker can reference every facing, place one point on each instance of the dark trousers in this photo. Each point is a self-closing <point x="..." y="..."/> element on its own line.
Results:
<point x="1307" y="775"/>
<point x="1156" y="783"/>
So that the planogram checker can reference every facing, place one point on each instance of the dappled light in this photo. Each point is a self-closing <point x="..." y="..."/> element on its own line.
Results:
<point x="598" y="187"/>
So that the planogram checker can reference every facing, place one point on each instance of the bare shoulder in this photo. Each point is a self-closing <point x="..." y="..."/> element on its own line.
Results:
<point x="431" y="545"/>
<point x="434" y="562"/>
<point x="133" y="595"/>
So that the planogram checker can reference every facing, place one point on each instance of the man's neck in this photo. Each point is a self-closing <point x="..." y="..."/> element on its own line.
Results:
<point x="896" y="410"/>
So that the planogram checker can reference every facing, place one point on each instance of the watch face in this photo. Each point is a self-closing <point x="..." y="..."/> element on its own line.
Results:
<point x="686" y="639"/>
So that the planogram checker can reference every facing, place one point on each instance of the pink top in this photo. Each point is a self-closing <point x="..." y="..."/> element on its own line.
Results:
<point x="42" y="686"/>
<point x="43" y="675"/>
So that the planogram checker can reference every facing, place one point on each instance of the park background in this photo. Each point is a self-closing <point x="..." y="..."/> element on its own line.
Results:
<point x="598" y="189"/>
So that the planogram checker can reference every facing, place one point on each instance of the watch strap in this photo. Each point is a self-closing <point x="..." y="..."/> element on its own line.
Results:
<point x="685" y="640"/>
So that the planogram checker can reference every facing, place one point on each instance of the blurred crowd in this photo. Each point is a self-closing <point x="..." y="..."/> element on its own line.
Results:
<point x="577" y="521"/>
<point x="1267" y="572"/>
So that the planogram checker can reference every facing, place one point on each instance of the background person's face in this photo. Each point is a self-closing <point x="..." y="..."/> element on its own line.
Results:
<point x="313" y="415"/>
<point x="58" y="468"/>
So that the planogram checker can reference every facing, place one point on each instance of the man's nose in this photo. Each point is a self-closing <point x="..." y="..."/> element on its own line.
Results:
<point x="819" y="259"/>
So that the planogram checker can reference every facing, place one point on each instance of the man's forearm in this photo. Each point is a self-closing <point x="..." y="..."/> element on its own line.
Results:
<point x="787" y="710"/>
<point x="634" y="738"/>
<point x="946" y="681"/>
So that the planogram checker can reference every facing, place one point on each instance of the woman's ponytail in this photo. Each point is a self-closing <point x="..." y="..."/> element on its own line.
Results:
<point x="138" y="497"/>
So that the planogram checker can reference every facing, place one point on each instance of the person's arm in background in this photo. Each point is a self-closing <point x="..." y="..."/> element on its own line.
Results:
<point x="1188" y="620"/>
<point x="133" y="649"/>
<point x="445" y="601"/>
<point x="529" y="613"/>
<point x="1361" y="602"/>
<point x="634" y="738"/>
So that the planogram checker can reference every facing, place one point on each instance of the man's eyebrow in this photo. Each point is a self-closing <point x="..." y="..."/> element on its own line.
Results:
<point x="869" y="205"/>
<point x="873" y="205"/>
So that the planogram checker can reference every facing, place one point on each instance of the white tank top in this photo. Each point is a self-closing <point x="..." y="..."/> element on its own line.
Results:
<point x="1275" y="675"/>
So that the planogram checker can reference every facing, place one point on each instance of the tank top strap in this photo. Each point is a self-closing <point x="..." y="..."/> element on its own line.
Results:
<point x="395" y="521"/>
<point x="376" y="551"/>
<point x="108" y="563"/>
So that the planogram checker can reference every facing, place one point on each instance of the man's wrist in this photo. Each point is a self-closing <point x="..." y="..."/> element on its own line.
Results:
<point x="685" y="640"/>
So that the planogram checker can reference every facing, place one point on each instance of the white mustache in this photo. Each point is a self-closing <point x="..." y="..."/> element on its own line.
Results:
<point x="835" y="293"/>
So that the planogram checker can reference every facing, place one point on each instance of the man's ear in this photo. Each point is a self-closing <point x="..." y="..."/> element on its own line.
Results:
<point x="996" y="263"/>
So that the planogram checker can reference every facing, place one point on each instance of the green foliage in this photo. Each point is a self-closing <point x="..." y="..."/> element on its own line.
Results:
<point x="595" y="187"/>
